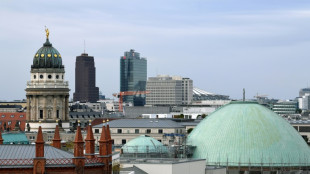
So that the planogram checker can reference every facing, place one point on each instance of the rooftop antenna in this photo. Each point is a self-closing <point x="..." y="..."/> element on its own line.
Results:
<point x="84" y="46"/>
<point x="243" y="94"/>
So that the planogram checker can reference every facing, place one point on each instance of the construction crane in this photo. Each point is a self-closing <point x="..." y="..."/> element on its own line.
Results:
<point x="127" y="93"/>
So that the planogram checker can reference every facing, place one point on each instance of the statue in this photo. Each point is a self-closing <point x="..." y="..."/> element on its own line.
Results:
<point x="47" y="32"/>
<point x="28" y="127"/>
<point x="60" y="123"/>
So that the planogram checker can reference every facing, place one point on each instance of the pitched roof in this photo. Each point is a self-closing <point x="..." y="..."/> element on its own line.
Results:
<point x="142" y="123"/>
<point x="28" y="152"/>
<point x="16" y="138"/>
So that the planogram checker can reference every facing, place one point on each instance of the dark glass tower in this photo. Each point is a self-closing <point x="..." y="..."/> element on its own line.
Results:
<point x="133" y="74"/>
<point x="85" y="79"/>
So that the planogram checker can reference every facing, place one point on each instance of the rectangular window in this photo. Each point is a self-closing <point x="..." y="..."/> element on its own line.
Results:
<point x="113" y="141"/>
<point x="136" y="131"/>
<point x="119" y="131"/>
<point x="160" y="131"/>
<point x="304" y="128"/>
<point x="96" y="131"/>
<point x="148" y="131"/>
<point x="123" y="141"/>
<point x="57" y="113"/>
<point x="41" y="114"/>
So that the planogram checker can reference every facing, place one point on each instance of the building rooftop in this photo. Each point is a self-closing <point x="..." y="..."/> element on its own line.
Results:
<point x="28" y="152"/>
<point x="15" y="138"/>
<point x="142" y="123"/>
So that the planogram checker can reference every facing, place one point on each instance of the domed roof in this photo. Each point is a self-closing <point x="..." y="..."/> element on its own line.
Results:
<point x="246" y="133"/>
<point x="47" y="57"/>
<point x="144" y="144"/>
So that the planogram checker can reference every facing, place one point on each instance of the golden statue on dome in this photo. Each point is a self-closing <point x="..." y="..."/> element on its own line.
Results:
<point x="47" y="32"/>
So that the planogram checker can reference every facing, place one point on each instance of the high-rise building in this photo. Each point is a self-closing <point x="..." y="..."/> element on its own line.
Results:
<point x="47" y="92"/>
<point x="85" y="79"/>
<point x="133" y="76"/>
<point x="166" y="90"/>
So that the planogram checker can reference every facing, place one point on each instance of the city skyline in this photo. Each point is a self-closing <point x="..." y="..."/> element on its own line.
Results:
<point x="261" y="46"/>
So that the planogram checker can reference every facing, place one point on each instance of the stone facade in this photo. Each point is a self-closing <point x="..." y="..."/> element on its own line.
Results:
<point x="47" y="92"/>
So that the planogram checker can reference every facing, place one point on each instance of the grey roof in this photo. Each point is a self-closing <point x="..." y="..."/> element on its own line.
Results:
<point x="85" y="115"/>
<point x="135" y="169"/>
<point x="29" y="151"/>
<point x="142" y="123"/>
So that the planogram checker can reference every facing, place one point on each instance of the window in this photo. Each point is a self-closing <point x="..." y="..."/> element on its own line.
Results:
<point x="148" y="131"/>
<point x="3" y="116"/>
<point x="136" y="131"/>
<point x="21" y="116"/>
<point x="9" y="122"/>
<point x="12" y="116"/>
<point x="57" y="76"/>
<point x="113" y="141"/>
<point x="119" y="131"/>
<point x="160" y="131"/>
<point x="57" y="113"/>
<point x="96" y="131"/>
<point x="41" y="76"/>
<point x="49" y="138"/>
<point x="41" y="114"/>
<point x="34" y="76"/>
<point x="123" y="141"/>
<point x="49" y="76"/>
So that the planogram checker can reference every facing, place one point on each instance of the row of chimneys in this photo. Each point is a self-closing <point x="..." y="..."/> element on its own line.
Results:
<point x="105" y="146"/>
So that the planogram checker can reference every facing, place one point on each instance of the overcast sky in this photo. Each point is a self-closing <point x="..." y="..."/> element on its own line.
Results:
<point x="223" y="45"/>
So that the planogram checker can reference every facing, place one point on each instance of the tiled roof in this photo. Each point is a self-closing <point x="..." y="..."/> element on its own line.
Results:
<point x="142" y="123"/>
<point x="28" y="152"/>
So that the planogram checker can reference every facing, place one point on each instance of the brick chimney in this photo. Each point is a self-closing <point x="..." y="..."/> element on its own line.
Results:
<point x="109" y="146"/>
<point x="1" y="140"/>
<point x="79" y="159"/>
<point x="90" y="142"/>
<point x="39" y="160"/>
<point x="57" y="140"/>
<point x="40" y="144"/>
<point x="103" y="148"/>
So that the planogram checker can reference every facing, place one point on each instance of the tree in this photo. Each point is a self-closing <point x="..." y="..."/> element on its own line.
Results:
<point x="189" y="130"/>
<point x="203" y="115"/>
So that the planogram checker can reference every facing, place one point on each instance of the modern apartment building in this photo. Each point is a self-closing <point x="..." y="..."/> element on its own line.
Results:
<point x="133" y="76"/>
<point x="166" y="90"/>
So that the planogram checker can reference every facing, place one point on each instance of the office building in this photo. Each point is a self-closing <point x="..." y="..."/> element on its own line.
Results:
<point x="85" y="79"/>
<point x="133" y="76"/>
<point x="166" y="90"/>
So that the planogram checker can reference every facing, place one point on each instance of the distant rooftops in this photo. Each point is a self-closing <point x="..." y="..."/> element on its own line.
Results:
<point x="142" y="123"/>
<point x="199" y="94"/>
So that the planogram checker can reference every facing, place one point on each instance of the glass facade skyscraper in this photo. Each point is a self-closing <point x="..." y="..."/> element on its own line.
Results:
<point x="133" y="76"/>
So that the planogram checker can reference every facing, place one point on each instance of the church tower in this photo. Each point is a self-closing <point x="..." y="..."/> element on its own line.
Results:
<point x="47" y="92"/>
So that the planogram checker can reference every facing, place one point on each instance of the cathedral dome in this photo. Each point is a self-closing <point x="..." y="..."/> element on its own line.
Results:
<point x="248" y="134"/>
<point x="47" y="57"/>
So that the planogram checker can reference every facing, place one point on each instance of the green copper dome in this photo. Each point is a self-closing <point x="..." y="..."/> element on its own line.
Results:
<point x="144" y="144"/>
<point x="248" y="134"/>
<point x="47" y="57"/>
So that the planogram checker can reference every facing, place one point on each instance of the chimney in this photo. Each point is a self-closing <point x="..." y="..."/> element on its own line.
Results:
<point x="90" y="142"/>
<point x="79" y="159"/>
<point x="109" y="146"/>
<point x="57" y="140"/>
<point x="103" y="147"/>
<point x="40" y="144"/>
<point x="39" y="160"/>
<point x="1" y="140"/>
